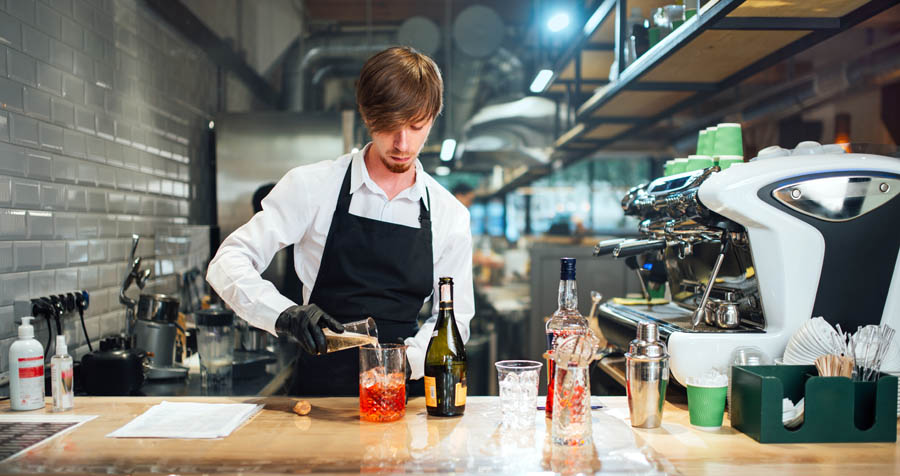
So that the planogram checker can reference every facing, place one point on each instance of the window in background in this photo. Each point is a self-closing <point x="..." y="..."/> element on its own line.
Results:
<point x="476" y="215"/>
<point x="494" y="223"/>
<point x="585" y="197"/>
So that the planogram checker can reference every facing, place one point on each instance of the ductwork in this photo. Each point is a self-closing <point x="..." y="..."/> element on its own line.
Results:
<point x="516" y="132"/>
<point x="310" y="55"/>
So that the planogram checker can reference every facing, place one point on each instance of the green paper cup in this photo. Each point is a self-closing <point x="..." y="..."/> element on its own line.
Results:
<point x="653" y="35"/>
<point x="710" y="141"/>
<point x="706" y="406"/>
<point x="726" y="161"/>
<point x="703" y="142"/>
<point x="728" y="140"/>
<point x="679" y="166"/>
<point x="699" y="162"/>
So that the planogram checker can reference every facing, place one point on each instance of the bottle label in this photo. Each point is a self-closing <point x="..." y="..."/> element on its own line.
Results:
<point x="430" y="392"/>
<point x="31" y="382"/>
<point x="31" y="367"/>
<point x="460" y="399"/>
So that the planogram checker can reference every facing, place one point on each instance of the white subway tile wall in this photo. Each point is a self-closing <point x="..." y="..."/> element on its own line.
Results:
<point x="103" y="113"/>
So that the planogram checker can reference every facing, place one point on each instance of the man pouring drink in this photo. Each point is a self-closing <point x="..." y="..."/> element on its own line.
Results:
<point x="372" y="233"/>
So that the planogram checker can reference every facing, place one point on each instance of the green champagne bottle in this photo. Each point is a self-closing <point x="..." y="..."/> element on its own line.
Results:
<point x="445" y="360"/>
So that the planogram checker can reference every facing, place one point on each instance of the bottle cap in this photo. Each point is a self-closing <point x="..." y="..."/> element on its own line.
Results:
<point x="26" y="330"/>
<point x="61" y="348"/>
<point x="567" y="268"/>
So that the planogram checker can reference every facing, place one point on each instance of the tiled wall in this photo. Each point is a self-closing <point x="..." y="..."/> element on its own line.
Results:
<point x="103" y="118"/>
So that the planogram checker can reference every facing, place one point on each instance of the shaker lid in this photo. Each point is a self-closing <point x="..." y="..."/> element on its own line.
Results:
<point x="214" y="317"/>
<point x="647" y="344"/>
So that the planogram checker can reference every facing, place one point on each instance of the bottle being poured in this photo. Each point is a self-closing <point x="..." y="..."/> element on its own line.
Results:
<point x="566" y="321"/>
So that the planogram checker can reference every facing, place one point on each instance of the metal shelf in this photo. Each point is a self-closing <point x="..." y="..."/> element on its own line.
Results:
<point x="728" y="41"/>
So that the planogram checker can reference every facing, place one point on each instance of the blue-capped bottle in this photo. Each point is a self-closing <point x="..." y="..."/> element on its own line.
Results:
<point x="566" y="321"/>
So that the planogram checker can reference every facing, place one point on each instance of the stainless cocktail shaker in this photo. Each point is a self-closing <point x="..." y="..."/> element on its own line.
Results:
<point x="646" y="377"/>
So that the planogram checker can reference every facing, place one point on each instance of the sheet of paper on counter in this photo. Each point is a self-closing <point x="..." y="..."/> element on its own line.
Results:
<point x="20" y="433"/>
<point x="208" y="420"/>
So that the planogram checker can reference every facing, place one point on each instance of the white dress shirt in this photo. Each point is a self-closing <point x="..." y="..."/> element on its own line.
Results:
<point x="298" y="211"/>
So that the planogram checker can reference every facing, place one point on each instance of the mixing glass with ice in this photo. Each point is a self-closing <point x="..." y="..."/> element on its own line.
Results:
<point x="382" y="382"/>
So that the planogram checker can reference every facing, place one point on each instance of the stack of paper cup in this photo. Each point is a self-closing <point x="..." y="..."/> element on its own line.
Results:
<point x="729" y="145"/>
<point x="699" y="162"/>
<point x="679" y="166"/>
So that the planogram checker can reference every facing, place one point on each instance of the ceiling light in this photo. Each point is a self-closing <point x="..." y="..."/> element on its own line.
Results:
<point x="212" y="125"/>
<point x="448" y="148"/>
<point x="541" y="80"/>
<point x="558" y="22"/>
<point x="442" y="170"/>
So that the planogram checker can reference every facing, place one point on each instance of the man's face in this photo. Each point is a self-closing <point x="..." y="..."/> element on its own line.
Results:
<point x="398" y="149"/>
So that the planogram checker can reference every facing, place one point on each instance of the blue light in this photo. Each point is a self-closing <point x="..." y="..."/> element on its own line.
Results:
<point x="647" y="266"/>
<point x="558" y="22"/>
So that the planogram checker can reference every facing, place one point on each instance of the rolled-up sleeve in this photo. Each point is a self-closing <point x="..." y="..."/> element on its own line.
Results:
<point x="234" y="272"/>
<point x="455" y="260"/>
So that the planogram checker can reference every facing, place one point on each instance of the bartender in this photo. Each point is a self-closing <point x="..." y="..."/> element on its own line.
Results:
<point x="372" y="233"/>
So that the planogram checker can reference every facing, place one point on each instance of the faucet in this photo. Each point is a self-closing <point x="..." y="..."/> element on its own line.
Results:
<point x="134" y="276"/>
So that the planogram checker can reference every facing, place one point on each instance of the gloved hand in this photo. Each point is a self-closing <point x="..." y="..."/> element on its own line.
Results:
<point x="305" y="323"/>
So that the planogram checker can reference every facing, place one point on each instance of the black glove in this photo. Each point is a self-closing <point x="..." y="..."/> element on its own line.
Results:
<point x="305" y="323"/>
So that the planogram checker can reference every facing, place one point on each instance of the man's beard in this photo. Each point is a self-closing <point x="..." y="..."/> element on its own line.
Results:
<point x="395" y="167"/>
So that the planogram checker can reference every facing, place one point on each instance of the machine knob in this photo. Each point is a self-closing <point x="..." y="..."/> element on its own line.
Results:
<point x="772" y="152"/>
<point x="809" y="147"/>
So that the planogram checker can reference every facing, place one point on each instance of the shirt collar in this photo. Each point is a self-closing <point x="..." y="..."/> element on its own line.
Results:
<point x="359" y="176"/>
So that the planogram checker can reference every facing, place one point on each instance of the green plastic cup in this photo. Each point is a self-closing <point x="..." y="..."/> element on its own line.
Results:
<point x="728" y="140"/>
<point x="699" y="162"/>
<point x="706" y="406"/>
<point x="726" y="161"/>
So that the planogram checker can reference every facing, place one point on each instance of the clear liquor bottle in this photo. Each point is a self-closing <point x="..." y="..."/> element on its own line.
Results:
<point x="566" y="321"/>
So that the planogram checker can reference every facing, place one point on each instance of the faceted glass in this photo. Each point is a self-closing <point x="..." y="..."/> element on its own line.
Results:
<point x="382" y="382"/>
<point x="518" y="381"/>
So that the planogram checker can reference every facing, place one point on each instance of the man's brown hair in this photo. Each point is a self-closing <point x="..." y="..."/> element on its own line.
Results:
<point x="399" y="86"/>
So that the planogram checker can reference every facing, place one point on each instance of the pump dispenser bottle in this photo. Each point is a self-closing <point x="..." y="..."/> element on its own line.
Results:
<point x="61" y="377"/>
<point x="26" y="370"/>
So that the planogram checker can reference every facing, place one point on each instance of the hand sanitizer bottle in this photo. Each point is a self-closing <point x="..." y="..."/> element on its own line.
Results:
<point x="61" y="377"/>
<point x="26" y="370"/>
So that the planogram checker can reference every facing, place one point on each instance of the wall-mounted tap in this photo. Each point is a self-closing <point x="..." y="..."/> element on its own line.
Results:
<point x="135" y="276"/>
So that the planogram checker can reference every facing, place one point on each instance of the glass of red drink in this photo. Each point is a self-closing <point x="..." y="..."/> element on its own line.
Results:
<point x="382" y="382"/>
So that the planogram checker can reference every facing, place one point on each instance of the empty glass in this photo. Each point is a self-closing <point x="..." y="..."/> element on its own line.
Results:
<point x="215" y="344"/>
<point x="382" y="382"/>
<point x="518" y="381"/>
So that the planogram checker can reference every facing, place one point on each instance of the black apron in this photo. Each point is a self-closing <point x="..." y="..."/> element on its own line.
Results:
<point x="369" y="268"/>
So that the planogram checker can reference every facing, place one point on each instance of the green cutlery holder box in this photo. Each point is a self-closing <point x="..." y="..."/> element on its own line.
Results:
<point x="836" y="409"/>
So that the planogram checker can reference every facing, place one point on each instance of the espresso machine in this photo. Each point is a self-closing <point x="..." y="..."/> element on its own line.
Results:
<point x="751" y="252"/>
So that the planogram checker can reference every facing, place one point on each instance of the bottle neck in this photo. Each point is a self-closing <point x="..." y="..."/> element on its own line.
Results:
<point x="568" y="294"/>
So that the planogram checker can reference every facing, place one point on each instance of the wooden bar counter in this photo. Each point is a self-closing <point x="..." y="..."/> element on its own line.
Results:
<point x="332" y="439"/>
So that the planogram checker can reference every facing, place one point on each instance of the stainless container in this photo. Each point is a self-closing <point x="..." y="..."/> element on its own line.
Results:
<point x="158" y="307"/>
<point x="712" y="310"/>
<point x="646" y="377"/>
<point x="727" y="316"/>
<point x="249" y="338"/>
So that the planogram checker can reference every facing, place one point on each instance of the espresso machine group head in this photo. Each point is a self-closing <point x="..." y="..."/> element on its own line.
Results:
<point x="753" y="251"/>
